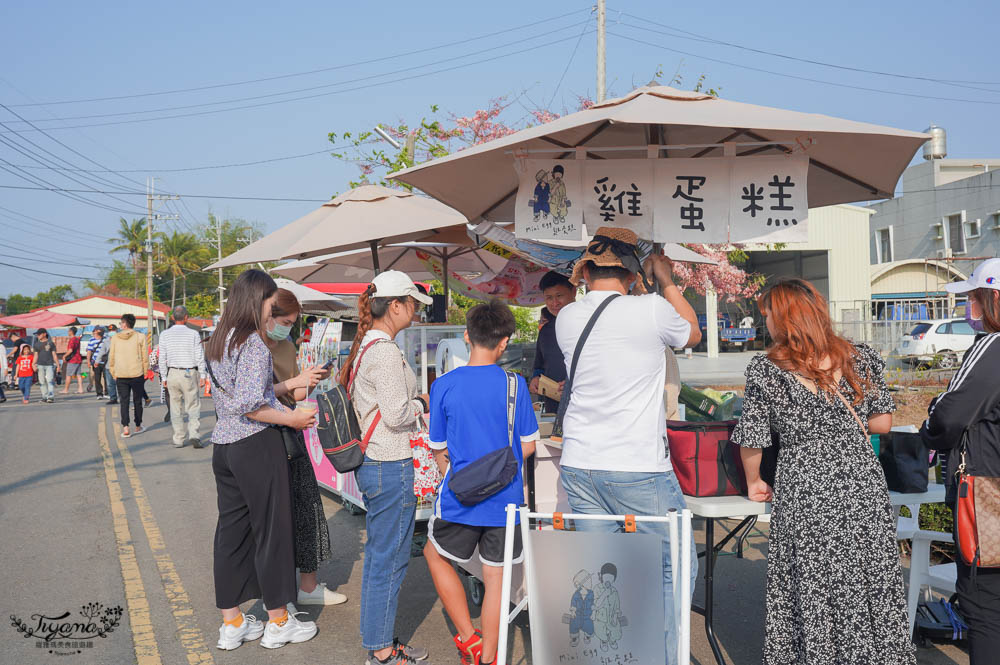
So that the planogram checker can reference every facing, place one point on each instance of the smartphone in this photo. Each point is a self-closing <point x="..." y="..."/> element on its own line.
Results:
<point x="329" y="363"/>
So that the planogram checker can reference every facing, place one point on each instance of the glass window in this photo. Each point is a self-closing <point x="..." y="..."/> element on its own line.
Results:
<point x="956" y="234"/>
<point x="920" y="328"/>
<point x="961" y="328"/>
<point x="943" y="329"/>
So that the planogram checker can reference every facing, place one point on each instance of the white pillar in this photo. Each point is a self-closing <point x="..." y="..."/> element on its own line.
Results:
<point x="712" y="320"/>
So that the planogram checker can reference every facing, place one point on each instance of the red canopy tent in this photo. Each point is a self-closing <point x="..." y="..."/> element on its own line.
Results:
<point x="42" y="319"/>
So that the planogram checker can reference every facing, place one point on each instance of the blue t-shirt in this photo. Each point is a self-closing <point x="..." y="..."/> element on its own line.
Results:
<point x="468" y="415"/>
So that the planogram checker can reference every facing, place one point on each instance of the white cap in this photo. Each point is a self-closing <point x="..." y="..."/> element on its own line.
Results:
<point x="396" y="284"/>
<point x="985" y="276"/>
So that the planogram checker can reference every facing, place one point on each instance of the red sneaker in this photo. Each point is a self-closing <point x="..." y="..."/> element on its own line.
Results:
<point x="471" y="650"/>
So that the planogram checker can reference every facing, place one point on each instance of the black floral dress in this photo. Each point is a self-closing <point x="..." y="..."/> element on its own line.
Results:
<point x="834" y="585"/>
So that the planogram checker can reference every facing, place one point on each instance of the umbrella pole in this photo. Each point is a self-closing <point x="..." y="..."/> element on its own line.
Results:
<point x="447" y="289"/>
<point x="374" y="247"/>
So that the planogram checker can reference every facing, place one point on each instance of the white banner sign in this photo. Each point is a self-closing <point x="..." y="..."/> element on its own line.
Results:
<point x="685" y="200"/>
<point x="548" y="200"/>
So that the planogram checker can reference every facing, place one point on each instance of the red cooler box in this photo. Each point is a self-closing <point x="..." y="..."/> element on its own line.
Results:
<point x="706" y="461"/>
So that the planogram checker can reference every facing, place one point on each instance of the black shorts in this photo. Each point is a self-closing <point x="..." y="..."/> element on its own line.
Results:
<point x="458" y="541"/>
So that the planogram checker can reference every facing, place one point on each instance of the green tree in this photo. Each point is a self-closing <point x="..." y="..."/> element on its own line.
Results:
<point x="203" y="305"/>
<point x="131" y="238"/>
<point x="179" y="253"/>
<point x="18" y="304"/>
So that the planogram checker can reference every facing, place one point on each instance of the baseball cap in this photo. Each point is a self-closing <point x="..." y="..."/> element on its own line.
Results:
<point x="396" y="284"/>
<point x="985" y="276"/>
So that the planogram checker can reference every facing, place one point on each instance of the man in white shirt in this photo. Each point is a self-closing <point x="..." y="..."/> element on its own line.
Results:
<point x="182" y="367"/>
<point x="615" y="456"/>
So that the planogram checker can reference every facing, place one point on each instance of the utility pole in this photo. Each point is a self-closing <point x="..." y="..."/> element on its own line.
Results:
<point x="150" y="196"/>
<point x="218" y="244"/>
<point x="601" y="49"/>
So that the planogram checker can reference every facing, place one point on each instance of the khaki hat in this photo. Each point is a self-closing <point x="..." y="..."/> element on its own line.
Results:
<point x="612" y="246"/>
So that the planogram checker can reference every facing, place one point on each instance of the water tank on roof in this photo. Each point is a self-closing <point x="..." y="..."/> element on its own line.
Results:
<point x="937" y="146"/>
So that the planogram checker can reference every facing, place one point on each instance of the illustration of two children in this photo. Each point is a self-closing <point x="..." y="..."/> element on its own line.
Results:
<point x="550" y="195"/>
<point x="596" y="612"/>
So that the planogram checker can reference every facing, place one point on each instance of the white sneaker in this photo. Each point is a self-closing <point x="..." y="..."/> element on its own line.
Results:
<point x="321" y="596"/>
<point x="294" y="631"/>
<point x="231" y="637"/>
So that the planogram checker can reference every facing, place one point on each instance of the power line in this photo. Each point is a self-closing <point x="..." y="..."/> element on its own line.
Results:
<point x="44" y="272"/>
<point x="52" y="224"/>
<point x="323" y="94"/>
<point x="65" y="263"/>
<point x="711" y="40"/>
<point x="313" y="71"/>
<point x="570" y="62"/>
<point x="193" y="196"/>
<point x="63" y="192"/>
<point x="805" y="78"/>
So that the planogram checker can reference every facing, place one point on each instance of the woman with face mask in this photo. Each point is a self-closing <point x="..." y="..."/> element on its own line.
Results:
<point x="965" y="421"/>
<point x="312" y="537"/>
<point x="254" y="553"/>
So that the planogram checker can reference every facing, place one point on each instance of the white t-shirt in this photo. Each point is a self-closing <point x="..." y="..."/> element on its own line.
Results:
<point x="616" y="420"/>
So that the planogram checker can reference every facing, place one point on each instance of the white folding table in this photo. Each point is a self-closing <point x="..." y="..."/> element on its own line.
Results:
<point x="739" y="507"/>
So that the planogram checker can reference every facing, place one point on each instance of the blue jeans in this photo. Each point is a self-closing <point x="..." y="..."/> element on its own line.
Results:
<point x="110" y="382"/>
<point x="387" y="489"/>
<point x="24" y="383"/>
<point x="629" y="493"/>
<point x="47" y="379"/>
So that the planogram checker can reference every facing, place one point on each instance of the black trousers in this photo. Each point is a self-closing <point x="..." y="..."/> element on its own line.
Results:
<point x="98" y="374"/>
<point x="254" y="547"/>
<point x="979" y="598"/>
<point x="135" y="388"/>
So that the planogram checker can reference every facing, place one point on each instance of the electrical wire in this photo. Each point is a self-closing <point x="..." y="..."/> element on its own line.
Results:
<point x="83" y="240"/>
<point x="804" y="78"/>
<point x="712" y="40"/>
<point x="193" y="196"/>
<point x="313" y="71"/>
<point x="570" y="62"/>
<point x="44" y="272"/>
<point x="322" y="94"/>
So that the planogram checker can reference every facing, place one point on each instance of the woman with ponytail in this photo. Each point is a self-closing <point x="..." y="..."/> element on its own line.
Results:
<point x="385" y="390"/>
<point x="834" y="585"/>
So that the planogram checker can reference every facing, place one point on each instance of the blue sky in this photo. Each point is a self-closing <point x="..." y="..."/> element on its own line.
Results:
<point x="62" y="51"/>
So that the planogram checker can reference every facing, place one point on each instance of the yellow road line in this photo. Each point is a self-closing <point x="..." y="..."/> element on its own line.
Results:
<point x="188" y="632"/>
<point x="146" y="650"/>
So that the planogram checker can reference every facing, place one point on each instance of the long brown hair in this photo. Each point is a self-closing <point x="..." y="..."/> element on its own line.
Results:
<point x="989" y="302"/>
<point x="804" y="335"/>
<point x="242" y="313"/>
<point x="369" y="310"/>
<point x="285" y="304"/>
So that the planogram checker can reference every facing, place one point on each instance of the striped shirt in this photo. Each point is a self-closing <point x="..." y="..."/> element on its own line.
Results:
<point x="92" y="345"/>
<point x="180" y="348"/>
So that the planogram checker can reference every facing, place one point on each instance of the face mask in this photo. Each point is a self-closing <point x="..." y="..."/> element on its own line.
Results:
<point x="977" y="324"/>
<point x="279" y="332"/>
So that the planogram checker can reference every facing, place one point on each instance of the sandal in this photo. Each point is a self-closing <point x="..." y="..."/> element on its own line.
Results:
<point x="125" y="433"/>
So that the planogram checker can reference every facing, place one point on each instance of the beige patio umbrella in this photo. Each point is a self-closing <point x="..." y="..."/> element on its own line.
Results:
<point x="363" y="217"/>
<point x="311" y="300"/>
<point x="849" y="161"/>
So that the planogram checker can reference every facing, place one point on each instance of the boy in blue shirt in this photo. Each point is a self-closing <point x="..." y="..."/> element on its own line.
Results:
<point x="468" y="419"/>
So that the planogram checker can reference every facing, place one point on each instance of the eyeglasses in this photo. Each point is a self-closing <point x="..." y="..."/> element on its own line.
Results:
<point x="417" y="305"/>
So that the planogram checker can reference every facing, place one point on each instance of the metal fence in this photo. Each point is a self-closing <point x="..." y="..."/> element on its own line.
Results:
<point x="882" y="323"/>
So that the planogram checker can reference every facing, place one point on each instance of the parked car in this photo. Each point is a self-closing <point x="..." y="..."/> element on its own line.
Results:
<point x="938" y="342"/>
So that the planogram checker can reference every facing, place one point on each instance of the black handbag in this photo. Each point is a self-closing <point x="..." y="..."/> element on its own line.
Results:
<point x="557" y="426"/>
<point x="905" y="460"/>
<point x="481" y="479"/>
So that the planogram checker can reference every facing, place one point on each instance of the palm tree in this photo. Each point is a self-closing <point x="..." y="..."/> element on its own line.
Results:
<point x="131" y="238"/>
<point x="178" y="254"/>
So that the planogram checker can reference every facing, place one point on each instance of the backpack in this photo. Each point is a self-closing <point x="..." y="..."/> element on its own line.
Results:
<point x="337" y="424"/>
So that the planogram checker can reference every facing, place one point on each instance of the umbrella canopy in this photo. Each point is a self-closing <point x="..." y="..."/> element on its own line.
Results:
<point x="357" y="265"/>
<point x="310" y="299"/>
<point x="848" y="160"/>
<point x="355" y="219"/>
<point x="42" y="319"/>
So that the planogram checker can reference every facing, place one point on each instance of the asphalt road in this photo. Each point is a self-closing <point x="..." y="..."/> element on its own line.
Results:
<point x="87" y="517"/>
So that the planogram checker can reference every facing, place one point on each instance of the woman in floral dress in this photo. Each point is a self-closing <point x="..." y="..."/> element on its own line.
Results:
<point x="834" y="586"/>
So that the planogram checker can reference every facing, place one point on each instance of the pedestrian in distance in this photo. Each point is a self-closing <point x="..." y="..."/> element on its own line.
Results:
<point x="834" y="589"/>
<point x="128" y="362"/>
<point x="312" y="535"/>
<point x="25" y="370"/>
<point x="965" y="420"/>
<point x="254" y="553"/>
<point x="46" y="362"/>
<point x="470" y="418"/>
<point x="109" y="381"/>
<point x="615" y="459"/>
<point x="96" y="362"/>
<point x="4" y="375"/>
<point x="385" y="387"/>
<point x="180" y="358"/>
<point x="73" y="363"/>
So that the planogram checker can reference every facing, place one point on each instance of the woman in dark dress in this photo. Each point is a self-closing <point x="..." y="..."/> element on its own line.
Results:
<point x="834" y="585"/>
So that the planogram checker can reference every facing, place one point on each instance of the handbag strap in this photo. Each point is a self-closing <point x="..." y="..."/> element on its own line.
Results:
<point x="511" y="404"/>
<point x="864" y="430"/>
<point x="567" y="392"/>
<point x="350" y="384"/>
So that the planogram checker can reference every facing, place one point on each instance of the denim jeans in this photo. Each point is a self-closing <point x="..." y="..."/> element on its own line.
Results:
<point x="47" y="380"/>
<point x="630" y="493"/>
<point x="387" y="489"/>
<point x="24" y="383"/>
<point x="110" y="382"/>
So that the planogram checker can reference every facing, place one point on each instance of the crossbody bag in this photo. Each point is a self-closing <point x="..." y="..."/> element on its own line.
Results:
<point x="557" y="426"/>
<point x="481" y="479"/>
<point x="977" y="515"/>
